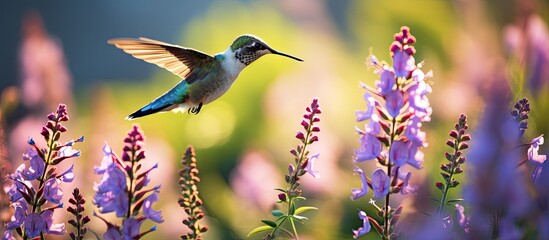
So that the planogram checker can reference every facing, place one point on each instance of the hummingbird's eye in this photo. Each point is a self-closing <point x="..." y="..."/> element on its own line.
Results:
<point x="256" y="46"/>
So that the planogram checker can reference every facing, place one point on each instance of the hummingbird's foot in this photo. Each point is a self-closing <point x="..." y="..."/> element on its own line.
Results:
<point x="195" y="110"/>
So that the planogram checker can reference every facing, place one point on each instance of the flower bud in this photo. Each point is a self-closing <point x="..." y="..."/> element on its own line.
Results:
<point x="448" y="156"/>
<point x="305" y="124"/>
<point x="463" y="146"/>
<point x="450" y="143"/>
<point x="300" y="135"/>
<point x="439" y="185"/>
<point x="291" y="168"/>
<point x="282" y="197"/>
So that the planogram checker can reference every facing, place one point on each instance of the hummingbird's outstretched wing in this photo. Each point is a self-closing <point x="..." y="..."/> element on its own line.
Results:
<point x="176" y="59"/>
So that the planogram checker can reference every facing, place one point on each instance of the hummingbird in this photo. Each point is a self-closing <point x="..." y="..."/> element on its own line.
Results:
<point x="205" y="78"/>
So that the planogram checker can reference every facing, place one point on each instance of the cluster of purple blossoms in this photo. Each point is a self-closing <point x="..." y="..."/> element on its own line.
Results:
<point x="396" y="109"/>
<point x="122" y="189"/>
<point x="36" y="191"/>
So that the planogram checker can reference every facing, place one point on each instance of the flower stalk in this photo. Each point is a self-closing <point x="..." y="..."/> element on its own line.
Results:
<point x="292" y="194"/>
<point x="456" y="158"/>
<point x="190" y="200"/>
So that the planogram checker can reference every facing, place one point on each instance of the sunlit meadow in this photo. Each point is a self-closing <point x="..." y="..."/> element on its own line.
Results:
<point x="406" y="120"/>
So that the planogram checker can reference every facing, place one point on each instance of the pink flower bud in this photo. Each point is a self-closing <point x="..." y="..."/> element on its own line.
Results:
<point x="305" y="124"/>
<point x="300" y="135"/>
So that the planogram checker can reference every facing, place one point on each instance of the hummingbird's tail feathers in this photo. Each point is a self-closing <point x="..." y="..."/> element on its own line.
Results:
<point x="146" y="110"/>
<point x="173" y="99"/>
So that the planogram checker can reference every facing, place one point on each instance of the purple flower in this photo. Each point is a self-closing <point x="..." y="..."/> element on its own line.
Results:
<point x="114" y="180"/>
<point x="150" y="213"/>
<point x="18" y="184"/>
<point x="541" y="177"/>
<point x="52" y="228"/>
<point x="112" y="233"/>
<point x="359" y="192"/>
<point x="52" y="192"/>
<point x="108" y="202"/>
<point x="402" y="152"/>
<point x="417" y="99"/>
<point x="462" y="219"/>
<point x="36" y="165"/>
<point x="130" y="227"/>
<point x="394" y="101"/>
<point x="404" y="63"/>
<point x="380" y="183"/>
<point x="366" y="227"/>
<point x="413" y="131"/>
<point x="36" y="223"/>
<point x="68" y="151"/>
<point x="370" y="146"/>
<point x="310" y="166"/>
<point x="370" y="107"/>
<point x="533" y="151"/>
<point x="19" y="215"/>
<point x="68" y="176"/>
<point x="110" y="195"/>
<point x="8" y="236"/>
<point x="107" y="160"/>
<point x="387" y="81"/>
<point x="406" y="187"/>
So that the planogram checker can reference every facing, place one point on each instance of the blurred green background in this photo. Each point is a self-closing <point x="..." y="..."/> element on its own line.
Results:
<point x="243" y="139"/>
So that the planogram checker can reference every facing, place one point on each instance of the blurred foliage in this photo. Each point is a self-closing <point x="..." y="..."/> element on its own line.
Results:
<point x="262" y="109"/>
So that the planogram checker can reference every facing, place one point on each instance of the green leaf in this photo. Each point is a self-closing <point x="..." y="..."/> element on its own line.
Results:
<point x="300" y="218"/>
<point x="277" y="213"/>
<point x="259" y="229"/>
<point x="455" y="200"/>
<point x="280" y="189"/>
<point x="269" y="222"/>
<point x="300" y="198"/>
<point x="303" y="209"/>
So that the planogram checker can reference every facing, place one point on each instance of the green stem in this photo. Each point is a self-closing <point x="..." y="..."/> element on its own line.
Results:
<point x="386" y="214"/>
<point x="46" y="165"/>
<point x="293" y="228"/>
<point x="41" y="181"/>
<point x="448" y="181"/>
<point x="293" y="185"/>
<point x="130" y="189"/>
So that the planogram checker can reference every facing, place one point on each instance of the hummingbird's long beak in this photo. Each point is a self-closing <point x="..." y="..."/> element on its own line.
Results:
<point x="285" y="55"/>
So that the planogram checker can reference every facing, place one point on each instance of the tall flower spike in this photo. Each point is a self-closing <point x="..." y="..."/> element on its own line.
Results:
<point x="393" y="135"/>
<point x="303" y="164"/>
<point x="455" y="158"/>
<point x="77" y="208"/>
<point x="190" y="200"/>
<point x="520" y="114"/>
<point x="34" y="207"/>
<point x="122" y="189"/>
